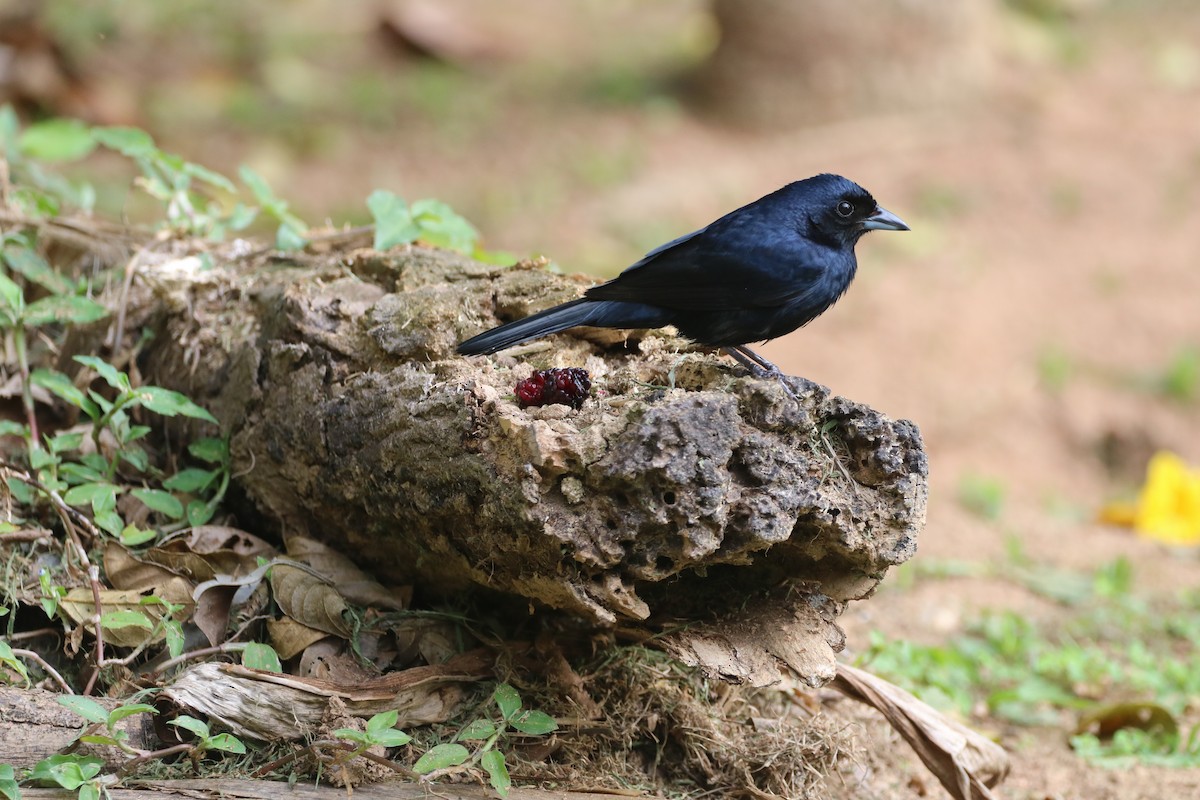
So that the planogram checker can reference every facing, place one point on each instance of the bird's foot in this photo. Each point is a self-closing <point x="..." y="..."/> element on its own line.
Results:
<point x="760" y="367"/>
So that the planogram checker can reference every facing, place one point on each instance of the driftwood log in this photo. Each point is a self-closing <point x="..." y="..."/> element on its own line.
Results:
<point x="685" y="495"/>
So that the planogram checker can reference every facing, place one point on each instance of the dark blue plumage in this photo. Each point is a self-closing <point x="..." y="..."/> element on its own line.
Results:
<point x="756" y="273"/>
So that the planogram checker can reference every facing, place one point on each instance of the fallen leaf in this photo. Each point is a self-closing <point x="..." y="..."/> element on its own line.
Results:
<point x="290" y="638"/>
<point x="308" y="598"/>
<point x="355" y="585"/>
<point x="966" y="763"/>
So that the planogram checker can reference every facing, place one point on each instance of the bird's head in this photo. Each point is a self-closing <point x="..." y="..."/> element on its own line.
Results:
<point x="841" y="211"/>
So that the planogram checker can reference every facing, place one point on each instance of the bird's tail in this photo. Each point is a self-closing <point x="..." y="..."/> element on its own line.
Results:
<point x="596" y="313"/>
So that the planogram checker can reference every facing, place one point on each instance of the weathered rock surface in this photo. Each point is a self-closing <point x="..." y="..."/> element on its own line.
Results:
<point x="684" y="493"/>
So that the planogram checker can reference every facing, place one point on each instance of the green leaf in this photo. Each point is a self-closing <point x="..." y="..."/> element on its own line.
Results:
<point x="351" y="735"/>
<point x="258" y="186"/>
<point x="209" y="176"/>
<point x="9" y="659"/>
<point x="199" y="513"/>
<point x="68" y="771"/>
<point x="497" y="770"/>
<point x="440" y="225"/>
<point x="61" y="386"/>
<point x="289" y="237"/>
<point x="241" y="217"/>
<point x="99" y="492"/>
<point x="62" y="442"/>
<point x="132" y="536"/>
<point x="478" y="730"/>
<point x="21" y="491"/>
<point x="261" y="656"/>
<point x="191" y="480"/>
<point x="88" y="791"/>
<point x="507" y="699"/>
<point x="136" y="432"/>
<point x="109" y="521"/>
<point x="534" y="723"/>
<point x="65" y="309"/>
<point x="96" y="738"/>
<point x="173" y="634"/>
<point x="11" y="294"/>
<point x="10" y="427"/>
<point x="56" y="140"/>
<point x="226" y="742"/>
<point x="40" y="459"/>
<point x="85" y="707"/>
<point x="441" y="757"/>
<point x="192" y="724"/>
<point x="110" y="374"/>
<point x="382" y="721"/>
<point x="136" y="458"/>
<point x="393" y="222"/>
<point x="392" y="738"/>
<point x="121" y="712"/>
<point x="169" y="403"/>
<point x="27" y="262"/>
<point x="210" y="449"/>
<point x="125" y="618"/>
<point x="132" y="142"/>
<point x="160" y="501"/>
<point x="8" y="780"/>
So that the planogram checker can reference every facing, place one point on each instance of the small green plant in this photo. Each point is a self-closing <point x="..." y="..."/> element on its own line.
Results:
<point x="430" y="221"/>
<point x="381" y="731"/>
<point x="8" y="783"/>
<point x="205" y="739"/>
<point x="1115" y="645"/>
<point x="97" y="714"/>
<point x="513" y="719"/>
<point x="73" y="772"/>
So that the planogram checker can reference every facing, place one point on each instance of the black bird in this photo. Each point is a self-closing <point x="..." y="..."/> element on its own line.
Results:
<point x="756" y="273"/>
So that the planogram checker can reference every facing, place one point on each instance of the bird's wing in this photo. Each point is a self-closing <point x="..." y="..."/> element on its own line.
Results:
<point x="708" y="271"/>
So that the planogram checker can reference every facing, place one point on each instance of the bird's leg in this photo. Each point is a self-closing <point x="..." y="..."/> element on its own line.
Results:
<point x="759" y="367"/>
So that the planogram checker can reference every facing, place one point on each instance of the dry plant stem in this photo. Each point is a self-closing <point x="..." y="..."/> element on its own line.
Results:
<point x="94" y="578"/>
<point x="16" y="637"/>
<point x="66" y="513"/>
<point x="227" y="647"/>
<point x="118" y="330"/>
<point x="59" y="504"/>
<point x="24" y="536"/>
<point x="35" y="442"/>
<point x="142" y="758"/>
<point x="41" y="662"/>
<point x="315" y="748"/>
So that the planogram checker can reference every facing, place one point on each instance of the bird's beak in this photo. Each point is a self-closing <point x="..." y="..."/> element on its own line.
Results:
<point x="883" y="220"/>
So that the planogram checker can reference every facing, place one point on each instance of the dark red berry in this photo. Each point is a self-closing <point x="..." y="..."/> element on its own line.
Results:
<point x="568" y="386"/>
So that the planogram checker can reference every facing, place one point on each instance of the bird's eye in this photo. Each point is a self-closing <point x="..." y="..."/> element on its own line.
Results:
<point x="845" y="209"/>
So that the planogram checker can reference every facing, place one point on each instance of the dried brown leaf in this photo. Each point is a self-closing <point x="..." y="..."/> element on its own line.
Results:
<point x="290" y="638"/>
<point x="966" y="763"/>
<point x="310" y="599"/>
<point x="355" y="585"/>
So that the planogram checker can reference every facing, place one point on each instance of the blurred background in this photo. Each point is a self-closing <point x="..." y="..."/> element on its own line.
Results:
<point x="1041" y="323"/>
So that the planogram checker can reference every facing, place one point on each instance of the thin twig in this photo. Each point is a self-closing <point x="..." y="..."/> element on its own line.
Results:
<point x="385" y="762"/>
<point x="41" y="662"/>
<point x="26" y="535"/>
<point x="94" y="579"/>
<point x="55" y="499"/>
<point x="129" y="765"/>
<point x="227" y="647"/>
